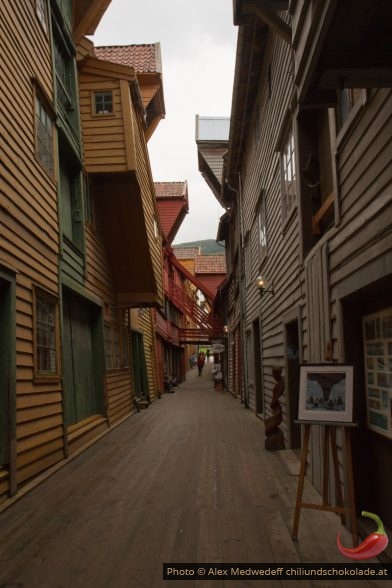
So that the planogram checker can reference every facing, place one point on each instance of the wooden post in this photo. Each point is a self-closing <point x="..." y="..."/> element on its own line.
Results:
<point x="340" y="508"/>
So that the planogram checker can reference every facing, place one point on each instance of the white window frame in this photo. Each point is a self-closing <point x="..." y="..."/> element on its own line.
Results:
<point x="97" y="112"/>
<point x="46" y="344"/>
<point x="261" y="215"/>
<point x="288" y="176"/>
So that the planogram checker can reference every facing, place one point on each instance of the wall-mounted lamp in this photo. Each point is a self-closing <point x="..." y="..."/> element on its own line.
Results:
<point x="264" y="286"/>
<point x="225" y="329"/>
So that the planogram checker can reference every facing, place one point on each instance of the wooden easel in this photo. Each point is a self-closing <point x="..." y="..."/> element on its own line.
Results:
<point x="341" y="509"/>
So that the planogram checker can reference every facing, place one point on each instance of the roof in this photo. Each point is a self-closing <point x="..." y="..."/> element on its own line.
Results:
<point x="210" y="264"/>
<point x="170" y="189"/>
<point x="172" y="204"/>
<point x="186" y="252"/>
<point x="143" y="58"/>
<point x="212" y="128"/>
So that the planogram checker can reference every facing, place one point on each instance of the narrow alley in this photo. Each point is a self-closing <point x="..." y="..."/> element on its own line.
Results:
<point x="186" y="480"/>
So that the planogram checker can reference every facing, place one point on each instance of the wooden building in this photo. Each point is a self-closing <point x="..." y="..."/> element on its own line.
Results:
<point x="212" y="140"/>
<point x="187" y="318"/>
<point x="307" y="188"/>
<point x="77" y="200"/>
<point x="173" y="206"/>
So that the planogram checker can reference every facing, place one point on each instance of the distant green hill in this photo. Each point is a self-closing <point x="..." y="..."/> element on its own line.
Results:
<point x="208" y="246"/>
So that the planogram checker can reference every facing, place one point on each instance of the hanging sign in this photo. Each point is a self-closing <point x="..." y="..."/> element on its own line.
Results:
<point x="218" y="348"/>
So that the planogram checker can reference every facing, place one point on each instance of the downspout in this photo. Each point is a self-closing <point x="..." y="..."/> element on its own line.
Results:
<point x="244" y="394"/>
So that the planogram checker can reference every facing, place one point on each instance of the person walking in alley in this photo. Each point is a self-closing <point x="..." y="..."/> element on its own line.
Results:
<point x="200" y="363"/>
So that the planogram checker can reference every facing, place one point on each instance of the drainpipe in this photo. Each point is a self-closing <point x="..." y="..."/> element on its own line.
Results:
<point x="241" y="257"/>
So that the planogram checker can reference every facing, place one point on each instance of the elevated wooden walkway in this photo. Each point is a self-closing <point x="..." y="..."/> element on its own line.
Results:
<point x="187" y="480"/>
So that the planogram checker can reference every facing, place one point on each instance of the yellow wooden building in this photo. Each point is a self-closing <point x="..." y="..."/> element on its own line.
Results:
<point x="80" y="241"/>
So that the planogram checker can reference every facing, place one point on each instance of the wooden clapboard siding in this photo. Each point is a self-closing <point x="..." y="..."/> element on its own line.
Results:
<point x="85" y="432"/>
<point x="115" y="144"/>
<point x="119" y="394"/>
<point x="73" y="264"/>
<point x="26" y="44"/>
<point x="104" y="139"/>
<point x="364" y="236"/>
<point x="144" y="178"/>
<point x="262" y="175"/>
<point x="147" y="325"/>
<point x="118" y="383"/>
<point x="29" y="242"/>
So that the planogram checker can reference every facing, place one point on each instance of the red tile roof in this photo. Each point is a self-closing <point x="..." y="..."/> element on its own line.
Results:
<point x="186" y="252"/>
<point x="172" y="203"/>
<point x="170" y="189"/>
<point x="143" y="58"/>
<point x="210" y="264"/>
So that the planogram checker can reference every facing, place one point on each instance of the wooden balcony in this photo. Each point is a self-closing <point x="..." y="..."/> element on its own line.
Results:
<point x="117" y="162"/>
<point x="340" y="45"/>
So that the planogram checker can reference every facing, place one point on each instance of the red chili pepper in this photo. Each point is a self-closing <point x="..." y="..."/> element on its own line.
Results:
<point x="372" y="546"/>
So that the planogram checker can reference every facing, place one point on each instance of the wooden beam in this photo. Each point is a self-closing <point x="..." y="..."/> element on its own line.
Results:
<point x="322" y="211"/>
<point x="269" y="17"/>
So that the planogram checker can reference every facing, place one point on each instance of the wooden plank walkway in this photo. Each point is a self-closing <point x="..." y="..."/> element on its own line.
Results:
<point x="187" y="480"/>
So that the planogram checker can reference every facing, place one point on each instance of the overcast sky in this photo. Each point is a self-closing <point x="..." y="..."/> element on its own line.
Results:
<point x="198" y="44"/>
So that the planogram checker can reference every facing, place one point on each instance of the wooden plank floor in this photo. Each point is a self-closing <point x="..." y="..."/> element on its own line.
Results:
<point x="187" y="480"/>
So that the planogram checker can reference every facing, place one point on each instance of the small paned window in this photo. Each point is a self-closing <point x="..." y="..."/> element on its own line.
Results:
<point x="45" y="334"/>
<point x="289" y="196"/>
<point x="42" y="13"/>
<point x="116" y="349"/>
<point x="108" y="348"/>
<point x="125" y="341"/>
<point x="103" y="102"/>
<point x="44" y="136"/>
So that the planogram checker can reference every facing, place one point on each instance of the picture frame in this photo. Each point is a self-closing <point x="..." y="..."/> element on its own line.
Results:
<point x="326" y="393"/>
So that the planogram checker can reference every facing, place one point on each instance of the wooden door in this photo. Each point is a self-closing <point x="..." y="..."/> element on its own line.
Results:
<point x="78" y="358"/>
<point x="293" y="372"/>
<point x="258" y="367"/>
<point x="140" y="380"/>
<point x="7" y="366"/>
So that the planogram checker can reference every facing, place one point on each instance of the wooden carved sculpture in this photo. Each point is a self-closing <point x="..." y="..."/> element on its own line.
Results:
<point x="275" y="437"/>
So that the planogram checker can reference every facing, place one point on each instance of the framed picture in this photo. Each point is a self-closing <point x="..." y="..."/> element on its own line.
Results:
<point x="326" y="393"/>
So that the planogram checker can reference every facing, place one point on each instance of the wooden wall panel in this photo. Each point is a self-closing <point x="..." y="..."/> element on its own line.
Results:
<point x="28" y="210"/>
<point x="144" y="177"/>
<point x="104" y="138"/>
<point x="262" y="176"/>
<point x="119" y="394"/>
<point x="146" y="324"/>
<point x="364" y="238"/>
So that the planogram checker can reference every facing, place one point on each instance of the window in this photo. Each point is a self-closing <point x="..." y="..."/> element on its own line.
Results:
<point x="317" y="175"/>
<point x="70" y="197"/>
<point x="42" y="13"/>
<point x="103" y="102"/>
<point x="125" y="338"/>
<point x="289" y="193"/>
<point x="347" y="99"/>
<point x="45" y="334"/>
<point x="248" y="258"/>
<point x="112" y="348"/>
<point x="44" y="135"/>
<point x="377" y="330"/>
<point x="262" y="229"/>
<point x="65" y="78"/>
<point x="66" y="10"/>
<point x="108" y="348"/>
<point x="65" y="82"/>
